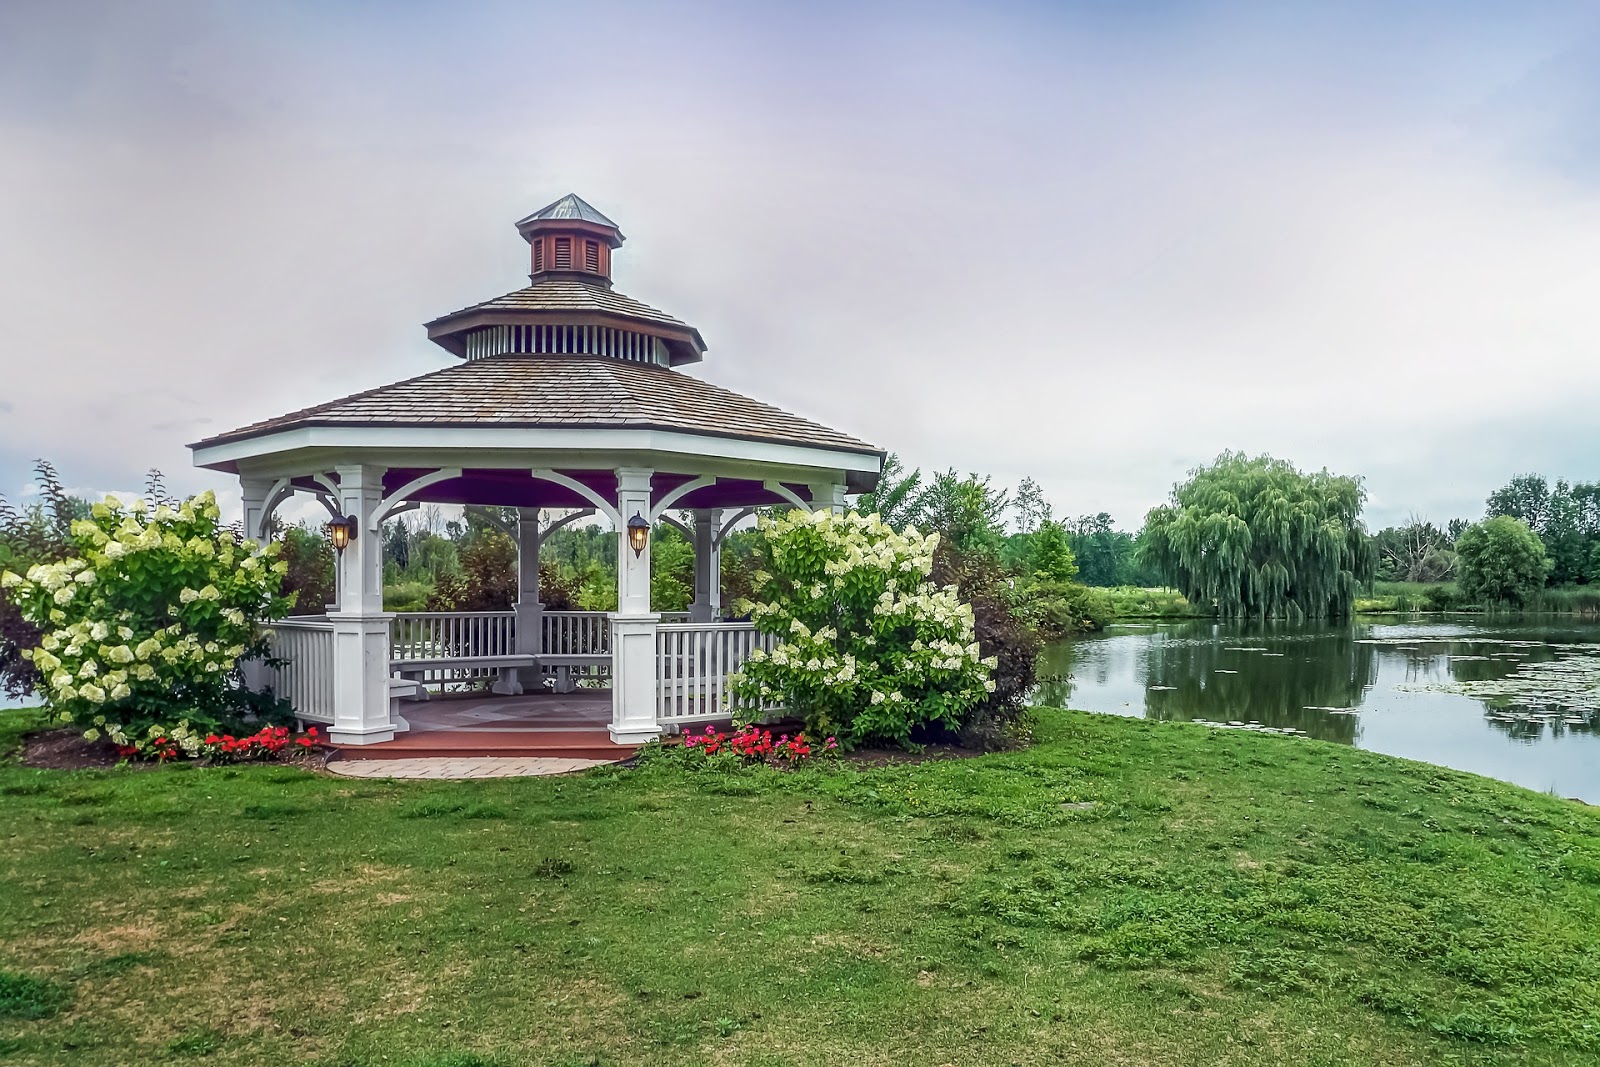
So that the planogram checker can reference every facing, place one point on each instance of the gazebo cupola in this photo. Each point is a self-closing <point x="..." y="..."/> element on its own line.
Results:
<point x="571" y="237"/>
<point x="569" y="306"/>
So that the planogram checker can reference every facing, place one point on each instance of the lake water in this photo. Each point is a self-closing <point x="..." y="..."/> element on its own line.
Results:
<point x="1515" y="699"/>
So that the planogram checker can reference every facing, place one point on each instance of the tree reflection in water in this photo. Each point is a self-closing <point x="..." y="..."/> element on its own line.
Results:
<point x="1517" y="698"/>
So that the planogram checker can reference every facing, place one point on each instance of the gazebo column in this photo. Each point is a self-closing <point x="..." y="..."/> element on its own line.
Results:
<point x="254" y="491"/>
<point x="528" y="608"/>
<point x="827" y="496"/>
<point x="362" y="709"/>
<point x="633" y="624"/>
<point x="707" y="566"/>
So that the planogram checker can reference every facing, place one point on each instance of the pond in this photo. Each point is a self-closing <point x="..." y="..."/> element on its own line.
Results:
<point x="1516" y="699"/>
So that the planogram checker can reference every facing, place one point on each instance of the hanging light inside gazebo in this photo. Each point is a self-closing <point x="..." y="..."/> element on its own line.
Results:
<point x="638" y="533"/>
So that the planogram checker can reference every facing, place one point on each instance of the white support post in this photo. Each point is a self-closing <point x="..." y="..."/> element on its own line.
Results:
<point x="827" y="496"/>
<point x="363" y="711"/>
<point x="529" y="610"/>
<point x="707" y="566"/>
<point x="633" y="625"/>
<point x="255" y="492"/>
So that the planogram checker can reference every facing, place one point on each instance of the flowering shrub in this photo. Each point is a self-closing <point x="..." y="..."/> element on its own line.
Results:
<point x="268" y="743"/>
<point x="754" y="745"/>
<point x="867" y="647"/>
<point x="147" y="622"/>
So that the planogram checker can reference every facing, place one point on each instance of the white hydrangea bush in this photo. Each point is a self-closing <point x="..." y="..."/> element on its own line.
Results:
<point x="867" y="648"/>
<point x="145" y="625"/>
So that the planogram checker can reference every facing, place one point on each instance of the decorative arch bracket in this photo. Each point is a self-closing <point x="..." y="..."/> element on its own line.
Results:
<point x="567" y="482"/>
<point x="661" y="506"/>
<point x="400" y="495"/>
<point x="727" y="527"/>
<point x="779" y="489"/>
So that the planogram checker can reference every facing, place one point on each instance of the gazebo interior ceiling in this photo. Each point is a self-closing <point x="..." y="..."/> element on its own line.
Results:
<point x="518" y="488"/>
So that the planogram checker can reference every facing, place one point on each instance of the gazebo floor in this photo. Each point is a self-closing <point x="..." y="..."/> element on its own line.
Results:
<point x="565" y="726"/>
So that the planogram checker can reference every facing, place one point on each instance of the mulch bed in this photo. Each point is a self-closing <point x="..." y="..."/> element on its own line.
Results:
<point x="66" y="750"/>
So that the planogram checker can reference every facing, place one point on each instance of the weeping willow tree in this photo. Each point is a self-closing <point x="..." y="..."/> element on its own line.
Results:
<point x="1259" y="539"/>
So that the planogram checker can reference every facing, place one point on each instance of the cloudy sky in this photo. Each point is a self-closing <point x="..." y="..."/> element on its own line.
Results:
<point x="1093" y="243"/>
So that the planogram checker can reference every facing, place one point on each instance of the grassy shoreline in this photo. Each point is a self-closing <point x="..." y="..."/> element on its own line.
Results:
<point x="1138" y="604"/>
<point x="1124" y="891"/>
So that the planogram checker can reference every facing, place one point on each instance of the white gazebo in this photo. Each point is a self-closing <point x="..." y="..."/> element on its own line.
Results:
<point x="565" y="399"/>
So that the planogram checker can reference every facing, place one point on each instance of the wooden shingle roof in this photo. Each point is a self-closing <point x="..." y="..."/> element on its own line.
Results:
<point x="562" y="293"/>
<point x="561" y="391"/>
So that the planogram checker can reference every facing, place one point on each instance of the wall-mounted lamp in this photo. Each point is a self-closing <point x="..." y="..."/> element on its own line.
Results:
<point x="342" y="532"/>
<point x="638" y="533"/>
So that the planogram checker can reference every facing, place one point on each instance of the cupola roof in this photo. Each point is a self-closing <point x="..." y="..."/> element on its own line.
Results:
<point x="571" y="206"/>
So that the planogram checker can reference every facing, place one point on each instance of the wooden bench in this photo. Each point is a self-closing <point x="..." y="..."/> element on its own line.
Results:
<point x="563" y="665"/>
<point x="413" y="669"/>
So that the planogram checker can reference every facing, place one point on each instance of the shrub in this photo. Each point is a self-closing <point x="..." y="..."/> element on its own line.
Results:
<point x="867" y="647"/>
<point x="488" y="577"/>
<point x="148" y="620"/>
<point x="1502" y="561"/>
<point x="36" y="534"/>
<point x="1007" y="638"/>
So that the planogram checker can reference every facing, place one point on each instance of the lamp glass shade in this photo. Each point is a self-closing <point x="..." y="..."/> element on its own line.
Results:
<point x="638" y="533"/>
<point x="342" y="532"/>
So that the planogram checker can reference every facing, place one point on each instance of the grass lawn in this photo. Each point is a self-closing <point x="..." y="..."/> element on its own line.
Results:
<point x="1123" y="893"/>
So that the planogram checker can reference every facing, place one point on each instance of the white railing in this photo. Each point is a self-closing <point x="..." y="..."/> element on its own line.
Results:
<point x="305" y="676"/>
<point x="438" y="635"/>
<point x="693" y="661"/>
<point x="574" y="633"/>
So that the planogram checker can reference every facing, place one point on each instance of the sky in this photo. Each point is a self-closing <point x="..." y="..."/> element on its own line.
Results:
<point x="1091" y="243"/>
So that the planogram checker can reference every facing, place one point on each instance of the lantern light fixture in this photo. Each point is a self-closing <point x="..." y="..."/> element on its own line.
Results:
<point x="638" y="533"/>
<point x="342" y="532"/>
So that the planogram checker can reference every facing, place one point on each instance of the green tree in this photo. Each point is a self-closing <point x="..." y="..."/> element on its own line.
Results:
<point x="1502" y="561"/>
<point x="968" y="512"/>
<point x="1525" y="497"/>
<point x="1260" y="539"/>
<point x="896" y="497"/>
<point x="1052" y="554"/>
<point x="671" y="569"/>
<point x="309" y="580"/>
<point x="1032" y="509"/>
<point x="1565" y="516"/>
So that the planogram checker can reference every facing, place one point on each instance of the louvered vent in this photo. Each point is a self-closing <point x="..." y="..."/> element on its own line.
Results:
<point x="563" y="253"/>
<point x="591" y="256"/>
<point x="538" y="256"/>
<point x="566" y="340"/>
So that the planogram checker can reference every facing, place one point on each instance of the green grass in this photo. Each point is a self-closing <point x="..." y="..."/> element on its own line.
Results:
<point x="1570" y="599"/>
<point x="1134" y="602"/>
<point x="406" y="596"/>
<point x="1388" y="598"/>
<point x="1125" y="892"/>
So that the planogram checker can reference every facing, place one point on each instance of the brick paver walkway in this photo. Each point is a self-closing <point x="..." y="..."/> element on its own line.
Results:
<point x="461" y="767"/>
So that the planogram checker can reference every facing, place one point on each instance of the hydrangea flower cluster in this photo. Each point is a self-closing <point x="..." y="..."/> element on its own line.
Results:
<point x="147" y="621"/>
<point x="866" y="647"/>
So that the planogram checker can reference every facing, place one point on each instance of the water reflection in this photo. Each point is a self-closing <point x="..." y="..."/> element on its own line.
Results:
<point x="1519" y="700"/>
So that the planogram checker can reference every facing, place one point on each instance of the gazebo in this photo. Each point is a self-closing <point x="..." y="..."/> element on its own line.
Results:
<point x="565" y="398"/>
